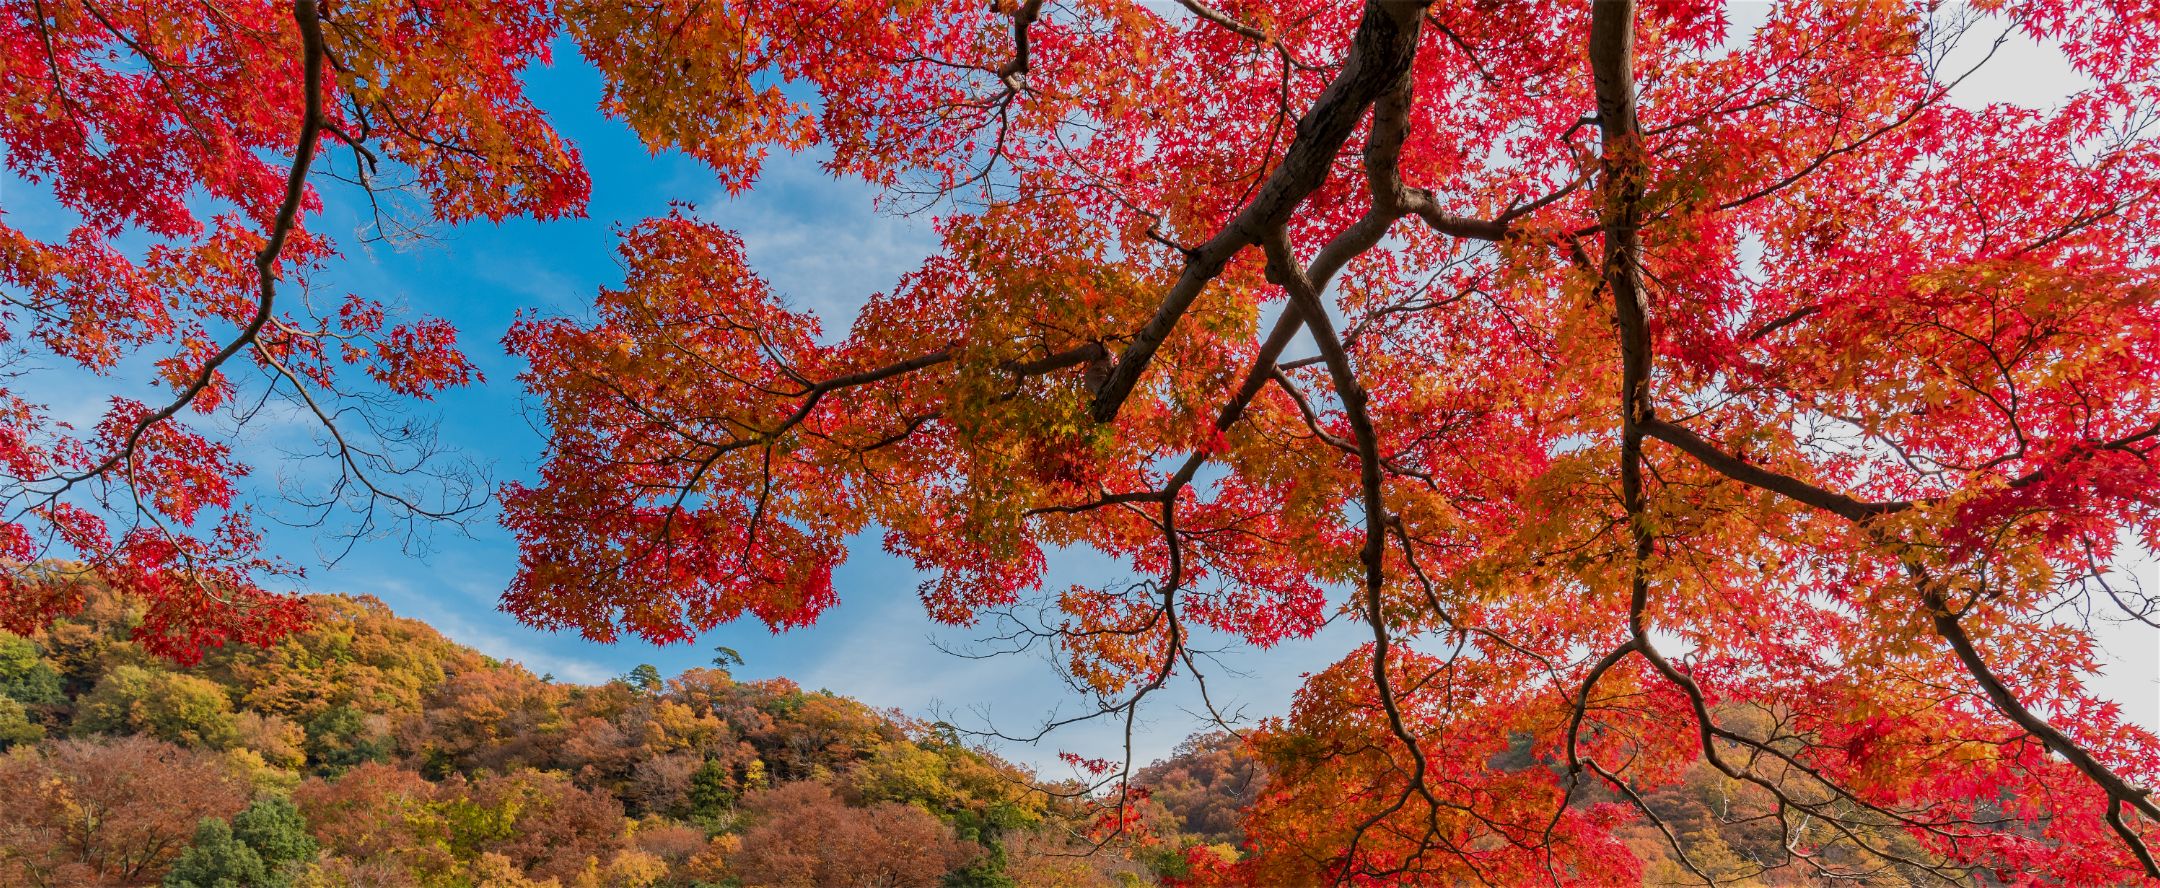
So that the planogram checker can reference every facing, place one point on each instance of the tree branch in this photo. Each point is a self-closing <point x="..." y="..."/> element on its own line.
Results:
<point x="281" y="229"/>
<point x="1380" y="53"/>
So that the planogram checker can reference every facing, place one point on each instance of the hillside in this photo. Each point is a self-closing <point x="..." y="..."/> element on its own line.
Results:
<point x="369" y="750"/>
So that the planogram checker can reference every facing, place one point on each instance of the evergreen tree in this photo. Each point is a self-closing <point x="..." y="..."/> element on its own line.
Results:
<point x="276" y="831"/>
<point x="218" y="859"/>
<point x="264" y="846"/>
<point x="339" y="739"/>
<point x="712" y="792"/>
<point x="646" y="678"/>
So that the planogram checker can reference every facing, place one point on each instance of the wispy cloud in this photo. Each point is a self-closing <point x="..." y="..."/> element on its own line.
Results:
<point x="819" y="241"/>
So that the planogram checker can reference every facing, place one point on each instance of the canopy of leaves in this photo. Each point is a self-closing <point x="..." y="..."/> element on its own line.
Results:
<point x="806" y="837"/>
<point x="106" y="811"/>
<point x="1655" y="391"/>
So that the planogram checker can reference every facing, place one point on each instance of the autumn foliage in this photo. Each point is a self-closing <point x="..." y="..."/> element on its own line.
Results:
<point x="182" y="142"/>
<point x="367" y="750"/>
<point x="1661" y="394"/>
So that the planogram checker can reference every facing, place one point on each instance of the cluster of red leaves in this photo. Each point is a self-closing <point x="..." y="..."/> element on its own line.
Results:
<point x="174" y="238"/>
<point x="625" y="507"/>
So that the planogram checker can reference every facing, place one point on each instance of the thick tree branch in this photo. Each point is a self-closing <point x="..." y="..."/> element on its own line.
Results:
<point x="2119" y="791"/>
<point x="1612" y="67"/>
<point x="1380" y="54"/>
<point x="1623" y="183"/>
<point x="1284" y="271"/>
<point x="1753" y="475"/>
<point x="1611" y="57"/>
<point x="1022" y="18"/>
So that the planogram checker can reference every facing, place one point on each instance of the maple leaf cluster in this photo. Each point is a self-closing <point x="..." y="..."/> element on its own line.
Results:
<point x="180" y="143"/>
<point x="1658" y="393"/>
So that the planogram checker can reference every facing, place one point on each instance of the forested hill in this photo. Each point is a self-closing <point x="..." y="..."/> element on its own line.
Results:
<point x="369" y="750"/>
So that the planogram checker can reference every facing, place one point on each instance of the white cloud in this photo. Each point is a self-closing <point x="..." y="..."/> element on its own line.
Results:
<point x="820" y="241"/>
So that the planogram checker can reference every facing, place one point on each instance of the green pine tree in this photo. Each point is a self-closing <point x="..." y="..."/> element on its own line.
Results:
<point x="646" y="678"/>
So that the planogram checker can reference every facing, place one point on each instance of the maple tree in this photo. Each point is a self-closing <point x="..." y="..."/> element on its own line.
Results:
<point x="106" y="811"/>
<point x="805" y="837"/>
<point x="1656" y="393"/>
<point x="1659" y="394"/>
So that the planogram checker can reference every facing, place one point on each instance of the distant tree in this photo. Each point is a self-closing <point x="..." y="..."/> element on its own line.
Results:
<point x="546" y="825"/>
<point x="25" y="677"/>
<point x="726" y="658"/>
<point x="106" y="811"/>
<point x="281" y="743"/>
<point x="661" y="783"/>
<point x="495" y="719"/>
<point x="217" y="859"/>
<point x="15" y="725"/>
<point x="339" y="872"/>
<point x="496" y="871"/>
<point x="1045" y="860"/>
<point x="720" y="782"/>
<point x="645" y="678"/>
<point x="342" y="737"/>
<point x="1205" y="785"/>
<point x="369" y="815"/>
<point x="819" y="732"/>
<point x="805" y="836"/>
<point x="184" y="709"/>
<point x="629" y="868"/>
<point x="598" y="750"/>
<point x="673" y="843"/>
<point x="274" y="828"/>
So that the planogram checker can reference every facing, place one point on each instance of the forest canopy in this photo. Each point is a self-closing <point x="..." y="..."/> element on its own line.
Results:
<point x="1682" y="409"/>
